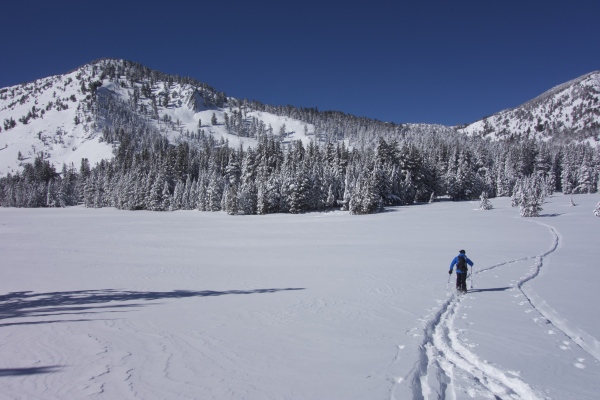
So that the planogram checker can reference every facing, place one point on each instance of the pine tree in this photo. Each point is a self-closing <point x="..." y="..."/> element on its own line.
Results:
<point x="166" y="197"/>
<point x="52" y="195"/>
<point x="230" y="199"/>
<point x="484" y="203"/>
<point x="214" y="192"/>
<point x="597" y="210"/>
<point x="587" y="178"/>
<point x="186" y="198"/>
<point x="515" y="199"/>
<point x="532" y="197"/>
<point x="298" y="193"/>
<point x="177" y="201"/>
<point x="331" y="200"/>
<point x="201" y="203"/>
<point x="155" y="200"/>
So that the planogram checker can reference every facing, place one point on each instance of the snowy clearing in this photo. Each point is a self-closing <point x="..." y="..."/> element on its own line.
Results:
<point x="107" y="304"/>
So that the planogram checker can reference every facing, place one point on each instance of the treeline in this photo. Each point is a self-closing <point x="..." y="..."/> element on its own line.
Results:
<point x="148" y="173"/>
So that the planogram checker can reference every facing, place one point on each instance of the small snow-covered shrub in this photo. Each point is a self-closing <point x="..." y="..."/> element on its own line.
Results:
<point x="484" y="203"/>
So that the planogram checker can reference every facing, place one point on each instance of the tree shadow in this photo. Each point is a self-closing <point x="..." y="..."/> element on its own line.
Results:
<point x="30" y="304"/>
<point x="28" y="371"/>
<point x="502" y="289"/>
<point x="550" y="215"/>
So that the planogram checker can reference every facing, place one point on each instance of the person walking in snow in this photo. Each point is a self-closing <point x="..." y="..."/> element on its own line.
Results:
<point x="461" y="261"/>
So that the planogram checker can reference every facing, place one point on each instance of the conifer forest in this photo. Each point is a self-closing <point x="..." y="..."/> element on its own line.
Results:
<point x="356" y="164"/>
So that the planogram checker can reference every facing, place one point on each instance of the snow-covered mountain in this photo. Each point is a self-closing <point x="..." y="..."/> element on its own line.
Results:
<point x="83" y="114"/>
<point x="570" y="110"/>
<point x="68" y="117"/>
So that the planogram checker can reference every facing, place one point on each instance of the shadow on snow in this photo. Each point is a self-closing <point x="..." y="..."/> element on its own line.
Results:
<point x="27" y="371"/>
<point x="30" y="304"/>
<point x="501" y="289"/>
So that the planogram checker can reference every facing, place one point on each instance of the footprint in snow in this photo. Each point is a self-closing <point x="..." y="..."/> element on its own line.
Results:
<point x="564" y="345"/>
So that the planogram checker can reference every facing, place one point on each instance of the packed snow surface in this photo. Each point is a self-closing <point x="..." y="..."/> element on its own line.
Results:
<point x="107" y="304"/>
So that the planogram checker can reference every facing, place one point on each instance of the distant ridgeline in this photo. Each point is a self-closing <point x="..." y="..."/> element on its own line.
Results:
<point x="340" y="160"/>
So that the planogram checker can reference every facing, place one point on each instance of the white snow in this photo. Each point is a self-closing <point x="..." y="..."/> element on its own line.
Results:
<point x="107" y="304"/>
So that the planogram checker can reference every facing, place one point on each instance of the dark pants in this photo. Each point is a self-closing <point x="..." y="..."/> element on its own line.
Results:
<point x="461" y="282"/>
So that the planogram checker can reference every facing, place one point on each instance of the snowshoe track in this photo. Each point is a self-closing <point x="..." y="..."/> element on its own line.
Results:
<point x="442" y="355"/>
<point x="585" y="341"/>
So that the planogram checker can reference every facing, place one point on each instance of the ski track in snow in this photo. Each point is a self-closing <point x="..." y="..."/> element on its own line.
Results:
<point x="442" y="355"/>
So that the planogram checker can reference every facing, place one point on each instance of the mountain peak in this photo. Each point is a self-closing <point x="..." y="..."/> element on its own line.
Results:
<point x="567" y="111"/>
<point x="65" y="118"/>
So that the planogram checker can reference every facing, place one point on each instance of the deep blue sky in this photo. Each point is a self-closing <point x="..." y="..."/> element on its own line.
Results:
<point x="447" y="62"/>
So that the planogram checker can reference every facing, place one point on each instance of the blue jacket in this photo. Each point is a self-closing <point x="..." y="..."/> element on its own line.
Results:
<point x="455" y="261"/>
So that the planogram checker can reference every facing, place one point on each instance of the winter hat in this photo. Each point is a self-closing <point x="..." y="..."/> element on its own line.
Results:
<point x="462" y="252"/>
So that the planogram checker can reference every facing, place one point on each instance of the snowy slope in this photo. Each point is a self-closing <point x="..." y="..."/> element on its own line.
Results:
<point x="53" y="104"/>
<point x="572" y="108"/>
<point x="105" y="304"/>
<point x="59" y="117"/>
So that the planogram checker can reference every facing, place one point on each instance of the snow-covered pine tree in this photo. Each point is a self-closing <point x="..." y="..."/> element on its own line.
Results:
<point x="365" y="197"/>
<point x="597" y="210"/>
<point x="166" y="197"/>
<point x="193" y="196"/>
<point x="247" y="198"/>
<point x="484" y="203"/>
<point x="568" y="173"/>
<point x="330" y="202"/>
<point x="261" y="198"/>
<point x="215" y="192"/>
<point x="347" y="197"/>
<point x="155" y="200"/>
<point x="531" y="198"/>
<point x="517" y="193"/>
<point x="357" y="198"/>
<point x="550" y="183"/>
<point x="230" y="199"/>
<point x="587" y="177"/>
<point x="177" y="201"/>
<point x="52" y="195"/>
<point x="187" y="193"/>
<point x="298" y="192"/>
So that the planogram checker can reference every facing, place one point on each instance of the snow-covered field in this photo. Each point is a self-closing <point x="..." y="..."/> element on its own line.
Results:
<point x="106" y="304"/>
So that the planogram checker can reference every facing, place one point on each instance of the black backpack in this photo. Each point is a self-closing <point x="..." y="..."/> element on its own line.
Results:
<point x="461" y="264"/>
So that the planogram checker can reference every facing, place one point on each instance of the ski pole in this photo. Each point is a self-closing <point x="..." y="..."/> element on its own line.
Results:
<point x="472" y="272"/>
<point x="449" y="276"/>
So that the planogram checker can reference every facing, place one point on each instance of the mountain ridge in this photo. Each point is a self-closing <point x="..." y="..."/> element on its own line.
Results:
<point x="76" y="115"/>
<point x="570" y="111"/>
